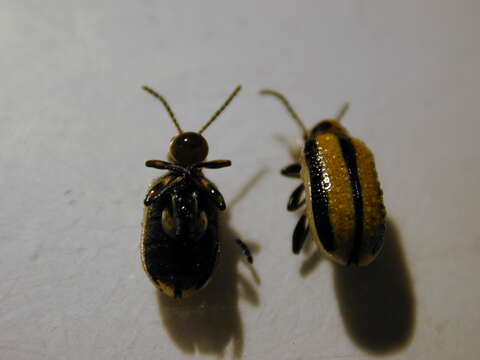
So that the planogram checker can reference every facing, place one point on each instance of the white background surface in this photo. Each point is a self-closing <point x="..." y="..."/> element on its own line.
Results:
<point x="75" y="130"/>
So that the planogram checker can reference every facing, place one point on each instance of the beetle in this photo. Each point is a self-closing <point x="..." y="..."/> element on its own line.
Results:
<point x="344" y="210"/>
<point x="180" y="246"/>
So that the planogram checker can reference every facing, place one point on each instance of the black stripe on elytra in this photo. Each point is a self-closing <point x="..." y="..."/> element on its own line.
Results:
<point x="349" y="154"/>
<point x="319" y="195"/>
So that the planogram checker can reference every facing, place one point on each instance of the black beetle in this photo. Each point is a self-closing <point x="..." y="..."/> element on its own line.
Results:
<point x="180" y="246"/>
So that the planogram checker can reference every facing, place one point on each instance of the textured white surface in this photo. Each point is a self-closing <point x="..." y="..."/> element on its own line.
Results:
<point x="75" y="130"/>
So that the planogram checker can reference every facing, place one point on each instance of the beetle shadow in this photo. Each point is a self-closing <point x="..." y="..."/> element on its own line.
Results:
<point x="313" y="257"/>
<point x="377" y="302"/>
<point x="210" y="320"/>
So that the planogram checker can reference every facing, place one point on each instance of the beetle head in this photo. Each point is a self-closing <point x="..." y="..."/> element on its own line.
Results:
<point x="188" y="148"/>
<point x="325" y="126"/>
<point x="328" y="126"/>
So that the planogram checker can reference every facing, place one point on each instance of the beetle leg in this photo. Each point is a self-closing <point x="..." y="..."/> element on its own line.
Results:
<point x="151" y="194"/>
<point x="295" y="201"/>
<point x="292" y="170"/>
<point x="164" y="165"/>
<point x="214" y="164"/>
<point x="211" y="190"/>
<point x="158" y="191"/>
<point x="178" y="218"/>
<point x="245" y="250"/>
<point x="299" y="234"/>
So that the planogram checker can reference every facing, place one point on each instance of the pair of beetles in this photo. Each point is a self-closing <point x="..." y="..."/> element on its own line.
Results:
<point x="344" y="211"/>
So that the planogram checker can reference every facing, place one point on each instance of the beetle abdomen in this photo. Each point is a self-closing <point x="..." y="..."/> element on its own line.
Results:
<point x="178" y="265"/>
<point x="344" y="199"/>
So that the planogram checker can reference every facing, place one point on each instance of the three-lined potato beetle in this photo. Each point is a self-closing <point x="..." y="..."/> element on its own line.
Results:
<point x="180" y="246"/>
<point x="344" y="202"/>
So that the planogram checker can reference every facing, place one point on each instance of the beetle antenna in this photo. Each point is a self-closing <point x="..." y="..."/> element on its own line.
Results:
<point x="289" y="107"/>
<point x="342" y="112"/>
<point x="219" y="111"/>
<point x="167" y="107"/>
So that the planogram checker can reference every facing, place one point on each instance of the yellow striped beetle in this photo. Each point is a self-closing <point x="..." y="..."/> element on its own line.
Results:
<point x="344" y="202"/>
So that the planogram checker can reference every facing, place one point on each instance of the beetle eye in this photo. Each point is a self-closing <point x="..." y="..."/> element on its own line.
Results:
<point x="323" y="126"/>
